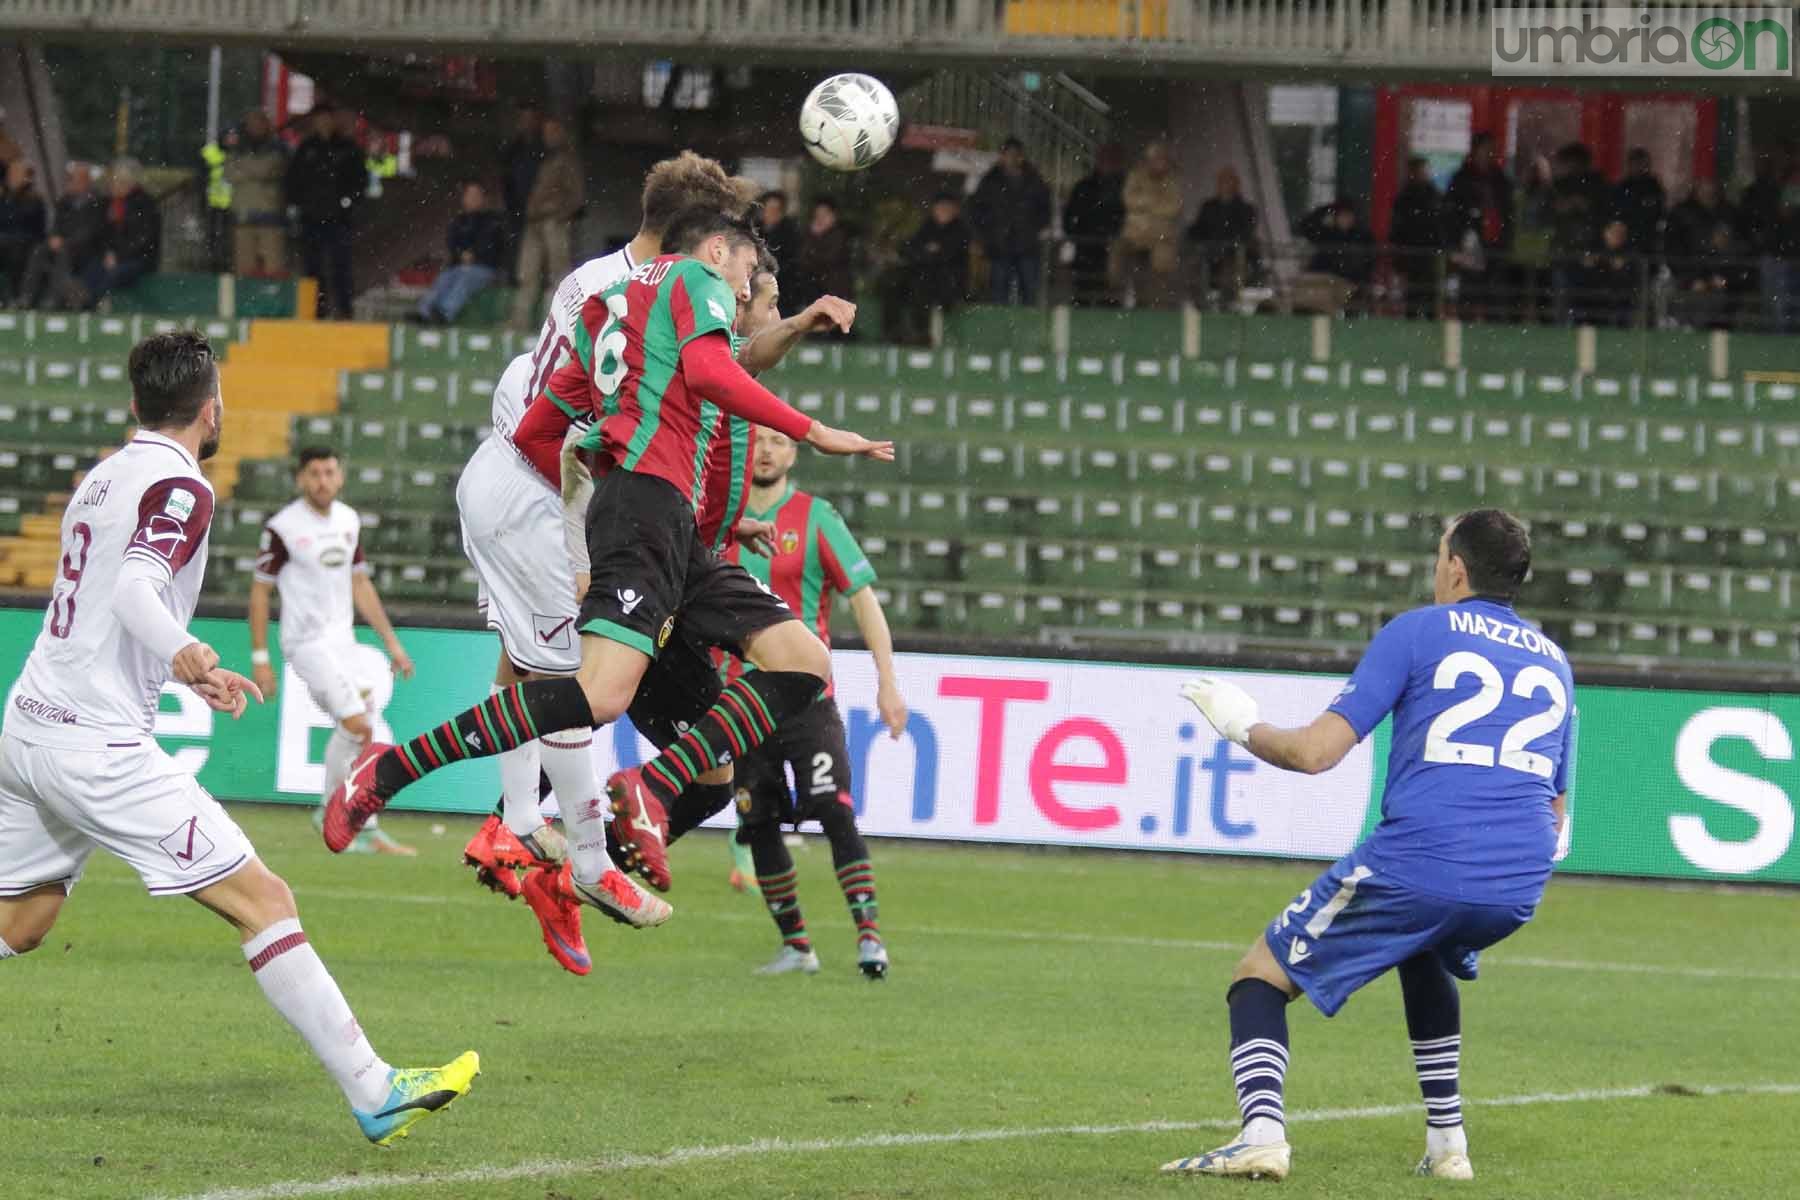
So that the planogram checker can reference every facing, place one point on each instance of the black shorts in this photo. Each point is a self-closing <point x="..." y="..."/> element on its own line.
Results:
<point x="648" y="563"/>
<point x="814" y="745"/>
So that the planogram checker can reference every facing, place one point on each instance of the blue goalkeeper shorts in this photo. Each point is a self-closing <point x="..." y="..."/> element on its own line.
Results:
<point x="1352" y="925"/>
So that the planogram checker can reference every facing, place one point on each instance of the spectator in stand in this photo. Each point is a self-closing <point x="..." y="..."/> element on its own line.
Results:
<point x="52" y="276"/>
<point x="1478" y="210"/>
<point x="780" y="232"/>
<point x="130" y="240"/>
<point x="1416" y="231"/>
<point x="1342" y="261"/>
<point x="822" y="265"/>
<point x="1579" y="203"/>
<point x="21" y="222"/>
<point x="325" y="181"/>
<point x="1640" y="202"/>
<point x="1010" y="211"/>
<point x="933" y="271"/>
<point x="1765" y="215"/>
<point x="1711" y="270"/>
<point x="520" y="158"/>
<point x="1223" y="238"/>
<point x="1149" y="246"/>
<point x="1092" y="219"/>
<point x="1531" y="239"/>
<point x="477" y="243"/>
<point x="557" y="196"/>
<point x="255" y="170"/>
<point x="1611" y="278"/>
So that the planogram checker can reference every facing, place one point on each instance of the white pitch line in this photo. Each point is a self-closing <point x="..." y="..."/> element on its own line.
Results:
<point x="1130" y="941"/>
<point x="299" y="1189"/>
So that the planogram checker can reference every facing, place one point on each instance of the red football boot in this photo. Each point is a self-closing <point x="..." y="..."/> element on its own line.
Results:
<point x="641" y="826"/>
<point x="354" y="801"/>
<point x="495" y="853"/>
<point x="559" y="918"/>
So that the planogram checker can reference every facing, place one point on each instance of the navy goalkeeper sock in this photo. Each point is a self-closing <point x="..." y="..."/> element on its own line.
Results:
<point x="1259" y="1057"/>
<point x="1434" y="1023"/>
<point x="507" y="719"/>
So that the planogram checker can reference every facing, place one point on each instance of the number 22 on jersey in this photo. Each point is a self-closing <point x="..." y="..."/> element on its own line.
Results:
<point x="1440" y="743"/>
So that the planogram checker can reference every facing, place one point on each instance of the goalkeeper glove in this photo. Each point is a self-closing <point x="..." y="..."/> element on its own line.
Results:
<point x="1225" y="704"/>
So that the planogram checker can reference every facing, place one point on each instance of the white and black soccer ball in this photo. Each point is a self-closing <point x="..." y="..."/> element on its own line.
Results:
<point x="849" y="122"/>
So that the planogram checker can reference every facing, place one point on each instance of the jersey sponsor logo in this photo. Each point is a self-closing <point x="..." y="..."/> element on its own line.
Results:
<point x="187" y="844"/>
<point x="164" y="534"/>
<point x="333" y="558"/>
<point x="629" y="599"/>
<point x="52" y="714"/>
<point x="96" y="492"/>
<point x="1298" y="952"/>
<point x="553" y="632"/>
<point x="180" y="505"/>
<point x="790" y="540"/>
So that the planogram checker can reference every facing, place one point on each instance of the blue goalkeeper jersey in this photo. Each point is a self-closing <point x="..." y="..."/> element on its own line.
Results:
<point x="1482" y="743"/>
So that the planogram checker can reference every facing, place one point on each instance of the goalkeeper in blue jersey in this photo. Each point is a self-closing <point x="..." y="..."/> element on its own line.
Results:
<point x="1472" y="818"/>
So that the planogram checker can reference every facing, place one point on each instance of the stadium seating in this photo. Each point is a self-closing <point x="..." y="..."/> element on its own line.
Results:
<point x="1105" y="495"/>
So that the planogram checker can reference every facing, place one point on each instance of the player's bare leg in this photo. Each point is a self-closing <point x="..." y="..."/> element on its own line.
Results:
<point x="26" y="920"/>
<point x="385" y="1101"/>
<point x="1258" y="998"/>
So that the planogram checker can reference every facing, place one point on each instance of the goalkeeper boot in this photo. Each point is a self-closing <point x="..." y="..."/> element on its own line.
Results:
<point x="619" y="898"/>
<point x="641" y="826"/>
<point x="1451" y="1165"/>
<point x="559" y="919"/>
<point x="871" y="956"/>
<point x="495" y="852"/>
<point x="791" y="959"/>
<point x="353" y="801"/>
<point x="1239" y="1160"/>
<point x="414" y="1095"/>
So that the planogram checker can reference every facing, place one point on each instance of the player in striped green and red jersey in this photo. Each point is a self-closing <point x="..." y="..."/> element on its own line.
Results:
<point x="659" y="347"/>
<point x="814" y="559"/>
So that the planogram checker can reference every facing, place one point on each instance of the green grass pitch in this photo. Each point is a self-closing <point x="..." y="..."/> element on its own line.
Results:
<point x="1047" y="1013"/>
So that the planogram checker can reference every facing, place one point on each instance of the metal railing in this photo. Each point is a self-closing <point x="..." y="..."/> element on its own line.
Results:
<point x="1372" y="35"/>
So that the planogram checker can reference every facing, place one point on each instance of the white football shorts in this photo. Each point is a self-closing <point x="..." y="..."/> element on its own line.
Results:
<point x="129" y="798"/>
<point x="334" y="675"/>
<point x="512" y="530"/>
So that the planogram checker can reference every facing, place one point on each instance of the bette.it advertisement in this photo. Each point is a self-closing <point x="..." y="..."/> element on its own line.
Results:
<point x="1055" y="752"/>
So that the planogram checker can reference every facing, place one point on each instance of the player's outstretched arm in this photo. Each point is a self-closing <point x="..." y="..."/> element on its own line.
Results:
<point x="368" y="605"/>
<point x="260" y="665"/>
<point x="1310" y="749"/>
<point x="769" y="346"/>
<point x="712" y="373"/>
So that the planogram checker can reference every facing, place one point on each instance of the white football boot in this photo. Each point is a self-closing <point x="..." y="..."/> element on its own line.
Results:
<point x="1240" y="1160"/>
<point x="790" y="960"/>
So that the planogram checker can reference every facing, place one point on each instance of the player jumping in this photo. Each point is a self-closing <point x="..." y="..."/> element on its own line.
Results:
<point x="79" y="769"/>
<point x="661" y="350"/>
<point x="312" y="552"/>
<point x="1476" y="800"/>
<point x="814" y="558"/>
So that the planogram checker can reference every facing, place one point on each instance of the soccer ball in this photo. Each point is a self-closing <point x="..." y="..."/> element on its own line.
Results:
<point x="849" y="122"/>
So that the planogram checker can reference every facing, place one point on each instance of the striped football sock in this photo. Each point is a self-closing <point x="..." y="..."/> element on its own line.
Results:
<point x="506" y="720"/>
<point x="858" y="881"/>
<point x="747" y="712"/>
<point x="1259" y="1058"/>
<point x="1434" y="1023"/>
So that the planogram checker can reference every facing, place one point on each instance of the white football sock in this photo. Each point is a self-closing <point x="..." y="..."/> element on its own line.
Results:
<point x="1451" y="1140"/>
<point x="6" y="951"/>
<point x="569" y="762"/>
<point x="1263" y="1131"/>
<point x="519" y="787"/>
<point x="302" y="990"/>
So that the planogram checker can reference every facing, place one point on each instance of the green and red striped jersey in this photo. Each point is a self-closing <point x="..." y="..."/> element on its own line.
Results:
<point x="815" y="558"/>
<point x="630" y="339"/>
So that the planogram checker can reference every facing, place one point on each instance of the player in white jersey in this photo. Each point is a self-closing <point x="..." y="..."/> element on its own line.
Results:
<point x="514" y="532"/>
<point x="79" y="769"/>
<point x="312" y="554"/>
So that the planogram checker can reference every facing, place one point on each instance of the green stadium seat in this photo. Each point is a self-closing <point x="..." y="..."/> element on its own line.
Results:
<point x="1167" y="568"/>
<point x="1759" y="595"/>
<point x="1567" y="489"/>
<point x="1740" y="498"/>
<point x="1093" y="416"/>
<point x="1383" y="424"/>
<point x="1109" y="566"/>
<point x="1765" y="644"/>
<point x="1045" y="467"/>
<point x="1161" y="472"/>
<point x="1344" y="579"/>
<point x="1104" y="469"/>
<point x="880" y="509"/>
<point x="1038" y="415"/>
<point x="1705" y="641"/>
<point x="1167" y="520"/>
<point x="1556" y="438"/>
<point x="1105" y="516"/>
<point x="921" y="411"/>
<point x="934" y="462"/>
<point x="1587" y="637"/>
<point x="994" y="614"/>
<point x="1227" y="573"/>
<point x="869" y="408"/>
<point x="979" y="412"/>
<point x="1282" y="523"/>
<point x="999" y="514"/>
<point x="934" y="560"/>
<point x="1442" y="434"/>
<point x="1351" y="625"/>
<point x="1393" y="483"/>
<point x="1451" y="485"/>
<point x="1216" y="474"/>
<point x="1507" y="487"/>
<point x="1282" y="574"/>
<point x="993" y="561"/>
<point x="1754" y="546"/>
<point x="1052" y="564"/>
<point x="937" y="610"/>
